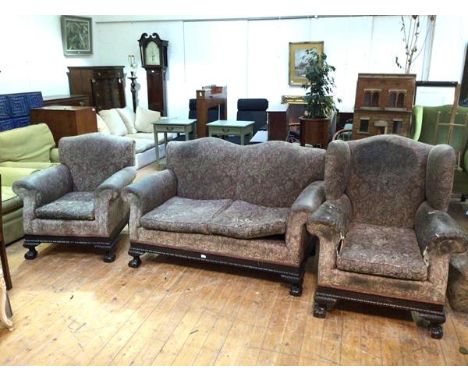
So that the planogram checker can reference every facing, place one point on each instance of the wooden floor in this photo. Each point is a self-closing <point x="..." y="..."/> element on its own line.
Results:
<point x="71" y="308"/>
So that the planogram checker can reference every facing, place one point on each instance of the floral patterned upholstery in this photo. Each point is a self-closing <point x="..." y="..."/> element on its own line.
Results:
<point x="384" y="229"/>
<point x="270" y="190"/>
<point x="71" y="206"/>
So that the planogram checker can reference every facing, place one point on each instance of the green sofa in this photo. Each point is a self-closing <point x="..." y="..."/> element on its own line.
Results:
<point x="424" y="126"/>
<point x="22" y="151"/>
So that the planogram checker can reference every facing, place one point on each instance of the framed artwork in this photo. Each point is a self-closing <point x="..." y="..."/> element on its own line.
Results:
<point x="77" y="35"/>
<point x="297" y="54"/>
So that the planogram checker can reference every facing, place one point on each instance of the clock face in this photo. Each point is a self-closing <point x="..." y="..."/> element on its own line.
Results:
<point x="152" y="54"/>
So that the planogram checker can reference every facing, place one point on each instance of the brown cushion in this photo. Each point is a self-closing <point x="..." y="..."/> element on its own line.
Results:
<point x="244" y="220"/>
<point x="71" y="206"/>
<point x="385" y="251"/>
<point x="184" y="215"/>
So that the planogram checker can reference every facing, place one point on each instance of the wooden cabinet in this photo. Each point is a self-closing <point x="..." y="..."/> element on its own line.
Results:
<point x="278" y="122"/>
<point x="65" y="121"/>
<point x="104" y="85"/>
<point x="156" y="82"/>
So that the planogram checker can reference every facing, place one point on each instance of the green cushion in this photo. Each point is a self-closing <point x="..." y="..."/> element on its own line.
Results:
<point x="30" y="165"/>
<point x="26" y="144"/>
<point x="13" y="226"/>
<point x="11" y="174"/>
<point x="417" y="122"/>
<point x="10" y="201"/>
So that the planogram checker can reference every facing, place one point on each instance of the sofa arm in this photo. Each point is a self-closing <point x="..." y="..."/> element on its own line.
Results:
<point x="148" y="193"/>
<point x="10" y="175"/>
<point x="112" y="186"/>
<point x="330" y="221"/>
<point x="437" y="232"/>
<point x="44" y="186"/>
<point x="307" y="202"/>
<point x="54" y="155"/>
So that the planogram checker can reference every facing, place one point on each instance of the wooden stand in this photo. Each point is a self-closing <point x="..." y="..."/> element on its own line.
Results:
<point x="133" y="89"/>
<point x="64" y="121"/>
<point x="206" y="99"/>
<point x="3" y="256"/>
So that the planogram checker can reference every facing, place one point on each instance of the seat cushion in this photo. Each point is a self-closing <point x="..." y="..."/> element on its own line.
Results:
<point x="184" y="215"/>
<point x="384" y="251"/>
<point x="71" y="206"/>
<point x="141" y="145"/>
<point x="244" y="220"/>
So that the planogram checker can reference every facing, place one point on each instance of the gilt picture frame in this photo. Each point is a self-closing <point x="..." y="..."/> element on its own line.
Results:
<point x="77" y="35"/>
<point x="297" y="53"/>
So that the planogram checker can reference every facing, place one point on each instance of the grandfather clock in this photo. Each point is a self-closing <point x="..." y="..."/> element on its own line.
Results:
<point x="153" y="53"/>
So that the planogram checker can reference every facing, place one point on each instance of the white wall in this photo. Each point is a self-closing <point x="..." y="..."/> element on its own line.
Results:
<point x="31" y="55"/>
<point x="249" y="56"/>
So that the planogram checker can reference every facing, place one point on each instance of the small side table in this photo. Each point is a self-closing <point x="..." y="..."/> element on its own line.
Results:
<point x="228" y="127"/>
<point x="172" y="125"/>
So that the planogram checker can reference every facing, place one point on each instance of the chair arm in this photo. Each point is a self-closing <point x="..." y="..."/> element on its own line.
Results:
<point x="45" y="186"/>
<point x="150" y="192"/>
<point x="330" y="221"/>
<point x="112" y="186"/>
<point x="437" y="231"/>
<point x="54" y="155"/>
<point x="10" y="175"/>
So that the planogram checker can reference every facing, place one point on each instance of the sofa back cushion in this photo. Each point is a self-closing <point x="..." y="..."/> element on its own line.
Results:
<point x="92" y="158"/>
<point x="144" y="119"/>
<point x="205" y="168"/>
<point x="387" y="179"/>
<point x="274" y="173"/>
<point x="114" y="122"/>
<point x="26" y="144"/>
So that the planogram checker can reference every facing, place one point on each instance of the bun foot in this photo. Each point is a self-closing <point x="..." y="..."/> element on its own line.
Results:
<point x="31" y="254"/>
<point x="319" y="311"/>
<point x="296" y="290"/>
<point x="436" y="331"/>
<point x="135" y="262"/>
<point x="109" y="257"/>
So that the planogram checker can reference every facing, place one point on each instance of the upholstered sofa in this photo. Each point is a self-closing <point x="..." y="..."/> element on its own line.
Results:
<point x="136" y="126"/>
<point x="239" y="205"/>
<point x="384" y="232"/>
<point x="23" y="150"/>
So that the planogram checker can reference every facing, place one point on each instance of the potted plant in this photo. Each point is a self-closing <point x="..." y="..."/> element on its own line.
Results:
<point x="319" y="100"/>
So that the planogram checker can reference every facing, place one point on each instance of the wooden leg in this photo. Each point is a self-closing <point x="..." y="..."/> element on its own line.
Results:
<point x="109" y="257"/>
<point x="323" y="304"/>
<point x="32" y="253"/>
<point x="434" y="321"/>
<point x="296" y="284"/>
<point x="242" y="139"/>
<point x="135" y="262"/>
<point x="4" y="305"/>
<point x="5" y="266"/>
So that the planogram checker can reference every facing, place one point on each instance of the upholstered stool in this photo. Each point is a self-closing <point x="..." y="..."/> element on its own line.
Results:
<point x="458" y="282"/>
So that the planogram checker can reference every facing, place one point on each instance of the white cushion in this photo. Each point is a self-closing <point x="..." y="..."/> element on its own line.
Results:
<point x="101" y="125"/>
<point x="128" y="117"/>
<point x="114" y="122"/>
<point x="145" y="118"/>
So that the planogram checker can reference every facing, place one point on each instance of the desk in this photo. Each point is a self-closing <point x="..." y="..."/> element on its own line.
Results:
<point x="206" y="100"/>
<point x="226" y="127"/>
<point x="172" y="125"/>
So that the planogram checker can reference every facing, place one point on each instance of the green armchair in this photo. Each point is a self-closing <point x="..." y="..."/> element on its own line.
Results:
<point x="424" y="130"/>
<point x="22" y="151"/>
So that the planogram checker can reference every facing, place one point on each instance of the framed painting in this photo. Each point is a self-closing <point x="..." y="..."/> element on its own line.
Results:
<point x="297" y="63"/>
<point x="77" y="37"/>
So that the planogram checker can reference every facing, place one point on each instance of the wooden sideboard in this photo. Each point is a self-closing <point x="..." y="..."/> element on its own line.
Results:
<point x="65" y="121"/>
<point x="67" y="100"/>
<point x="104" y="85"/>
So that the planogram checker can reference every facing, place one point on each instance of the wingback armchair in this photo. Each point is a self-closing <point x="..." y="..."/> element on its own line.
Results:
<point x="385" y="236"/>
<point x="79" y="200"/>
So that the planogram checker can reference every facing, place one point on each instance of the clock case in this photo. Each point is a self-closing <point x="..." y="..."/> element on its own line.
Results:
<point x="155" y="74"/>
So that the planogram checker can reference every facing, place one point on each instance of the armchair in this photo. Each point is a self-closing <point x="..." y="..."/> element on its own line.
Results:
<point x="79" y="201"/>
<point x="385" y="236"/>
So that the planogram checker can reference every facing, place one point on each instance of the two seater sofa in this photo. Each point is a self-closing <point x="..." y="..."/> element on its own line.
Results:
<point x="219" y="202"/>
